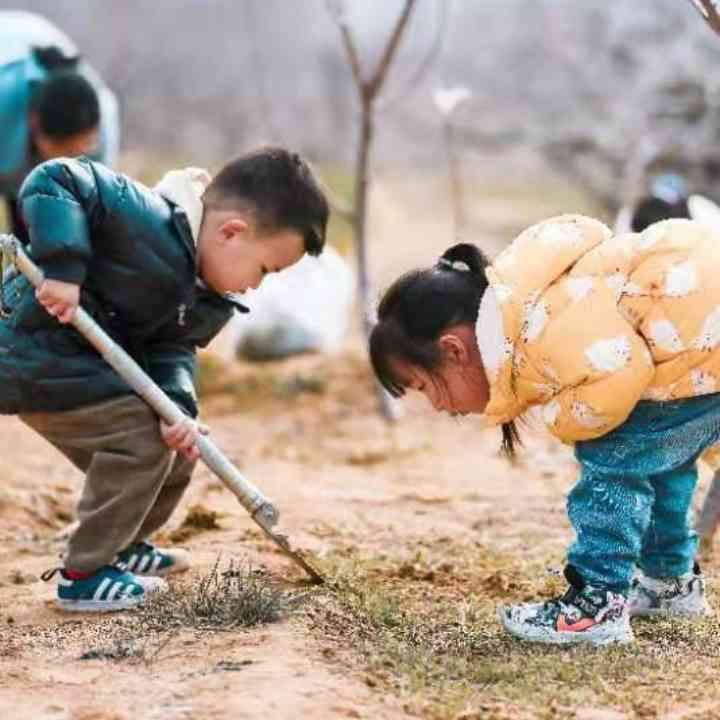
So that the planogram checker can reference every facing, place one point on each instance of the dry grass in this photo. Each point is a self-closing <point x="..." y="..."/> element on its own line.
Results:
<point x="416" y="629"/>
<point x="230" y="599"/>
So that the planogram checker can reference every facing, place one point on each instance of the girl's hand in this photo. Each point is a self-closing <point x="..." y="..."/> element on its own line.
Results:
<point x="182" y="435"/>
<point x="59" y="298"/>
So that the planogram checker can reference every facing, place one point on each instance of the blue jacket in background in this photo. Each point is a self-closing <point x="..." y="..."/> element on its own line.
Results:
<point x="20" y="75"/>
<point x="133" y="253"/>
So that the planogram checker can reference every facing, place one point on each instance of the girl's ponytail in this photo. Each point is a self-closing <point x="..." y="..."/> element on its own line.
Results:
<point x="464" y="257"/>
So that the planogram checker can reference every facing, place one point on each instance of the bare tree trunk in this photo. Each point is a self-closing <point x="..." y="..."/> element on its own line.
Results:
<point x="362" y="165"/>
<point x="368" y="91"/>
<point x="389" y="408"/>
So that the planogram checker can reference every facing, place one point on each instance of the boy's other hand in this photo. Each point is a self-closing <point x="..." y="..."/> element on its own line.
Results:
<point x="181" y="436"/>
<point x="59" y="299"/>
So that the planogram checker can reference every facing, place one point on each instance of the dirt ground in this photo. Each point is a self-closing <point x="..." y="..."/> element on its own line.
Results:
<point x="421" y="529"/>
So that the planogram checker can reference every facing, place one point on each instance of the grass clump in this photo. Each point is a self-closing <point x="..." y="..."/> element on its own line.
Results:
<point x="118" y="650"/>
<point x="221" y="600"/>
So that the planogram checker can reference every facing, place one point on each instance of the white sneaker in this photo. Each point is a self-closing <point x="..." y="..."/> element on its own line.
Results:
<point x="582" y="615"/>
<point x="682" y="596"/>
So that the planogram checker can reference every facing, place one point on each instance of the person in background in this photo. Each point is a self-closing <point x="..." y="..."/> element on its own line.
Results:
<point x="666" y="197"/>
<point x="52" y="104"/>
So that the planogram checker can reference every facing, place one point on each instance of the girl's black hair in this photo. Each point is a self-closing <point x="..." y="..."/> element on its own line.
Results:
<point x="419" y="306"/>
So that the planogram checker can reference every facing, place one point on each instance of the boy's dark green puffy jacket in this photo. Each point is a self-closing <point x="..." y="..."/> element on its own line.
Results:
<point x="133" y="253"/>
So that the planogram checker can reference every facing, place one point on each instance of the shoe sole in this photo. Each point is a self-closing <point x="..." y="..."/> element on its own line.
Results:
<point x="601" y="635"/>
<point x="659" y="614"/>
<point x="99" y="606"/>
<point x="151" y="583"/>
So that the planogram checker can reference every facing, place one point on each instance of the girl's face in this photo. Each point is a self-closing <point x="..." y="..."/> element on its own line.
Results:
<point x="458" y="385"/>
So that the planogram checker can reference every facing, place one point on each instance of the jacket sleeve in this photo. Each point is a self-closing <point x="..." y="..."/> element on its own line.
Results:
<point x="599" y="369"/>
<point x="60" y="202"/>
<point x="172" y="366"/>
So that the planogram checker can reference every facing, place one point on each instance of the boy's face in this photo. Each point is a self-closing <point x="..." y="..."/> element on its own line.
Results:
<point x="235" y="258"/>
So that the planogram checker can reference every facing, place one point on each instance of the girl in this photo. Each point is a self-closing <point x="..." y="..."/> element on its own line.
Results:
<point x="615" y="340"/>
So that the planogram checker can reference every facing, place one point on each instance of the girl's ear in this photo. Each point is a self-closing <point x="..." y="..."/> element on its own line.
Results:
<point x="232" y="228"/>
<point x="453" y="349"/>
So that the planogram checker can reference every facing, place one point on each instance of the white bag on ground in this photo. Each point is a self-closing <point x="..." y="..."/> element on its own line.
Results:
<point x="301" y="309"/>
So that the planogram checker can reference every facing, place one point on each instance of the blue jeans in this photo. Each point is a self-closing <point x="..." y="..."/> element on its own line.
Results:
<point x="631" y="505"/>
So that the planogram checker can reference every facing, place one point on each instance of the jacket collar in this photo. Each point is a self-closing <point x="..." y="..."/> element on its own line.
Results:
<point x="185" y="188"/>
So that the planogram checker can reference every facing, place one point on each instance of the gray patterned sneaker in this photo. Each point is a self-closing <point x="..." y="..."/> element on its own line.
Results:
<point x="682" y="597"/>
<point x="582" y="615"/>
<point x="144" y="558"/>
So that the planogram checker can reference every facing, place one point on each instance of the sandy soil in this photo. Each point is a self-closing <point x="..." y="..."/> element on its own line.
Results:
<point x="340" y="478"/>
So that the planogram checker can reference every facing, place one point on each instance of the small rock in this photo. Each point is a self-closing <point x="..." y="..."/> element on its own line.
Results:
<point x="18" y="577"/>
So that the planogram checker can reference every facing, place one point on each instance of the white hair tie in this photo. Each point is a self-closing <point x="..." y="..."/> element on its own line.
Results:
<point x="458" y="265"/>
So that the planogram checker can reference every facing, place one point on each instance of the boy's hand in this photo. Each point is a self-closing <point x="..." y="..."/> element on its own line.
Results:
<point x="59" y="299"/>
<point x="181" y="436"/>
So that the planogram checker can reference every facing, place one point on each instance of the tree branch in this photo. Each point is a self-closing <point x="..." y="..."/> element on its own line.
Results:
<point x="709" y="10"/>
<point x="336" y="11"/>
<point x="376" y="81"/>
<point x="428" y="61"/>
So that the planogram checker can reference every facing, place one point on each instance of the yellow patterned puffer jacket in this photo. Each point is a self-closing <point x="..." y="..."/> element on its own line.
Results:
<point x="583" y="325"/>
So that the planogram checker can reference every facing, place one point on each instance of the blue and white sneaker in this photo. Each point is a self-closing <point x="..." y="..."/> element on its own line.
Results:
<point x="144" y="558"/>
<point x="109" y="589"/>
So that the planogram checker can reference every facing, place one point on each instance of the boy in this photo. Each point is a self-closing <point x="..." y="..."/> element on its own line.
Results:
<point x="52" y="104"/>
<point x="156" y="269"/>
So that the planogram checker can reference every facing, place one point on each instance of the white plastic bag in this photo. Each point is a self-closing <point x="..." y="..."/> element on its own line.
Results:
<point x="303" y="308"/>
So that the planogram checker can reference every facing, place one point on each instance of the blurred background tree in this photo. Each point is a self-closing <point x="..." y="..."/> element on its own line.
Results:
<point x="561" y="87"/>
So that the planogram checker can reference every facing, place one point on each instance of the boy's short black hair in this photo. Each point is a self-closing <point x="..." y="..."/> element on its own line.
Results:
<point x="652" y="209"/>
<point x="66" y="104"/>
<point x="279" y="189"/>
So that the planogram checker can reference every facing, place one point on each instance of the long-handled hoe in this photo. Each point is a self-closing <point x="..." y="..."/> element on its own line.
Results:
<point x="261" y="510"/>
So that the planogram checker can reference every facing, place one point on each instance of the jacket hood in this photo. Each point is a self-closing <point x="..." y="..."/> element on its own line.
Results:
<point x="512" y="310"/>
<point x="185" y="189"/>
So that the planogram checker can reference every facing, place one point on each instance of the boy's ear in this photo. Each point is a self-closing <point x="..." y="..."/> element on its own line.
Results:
<point x="231" y="229"/>
<point x="453" y="349"/>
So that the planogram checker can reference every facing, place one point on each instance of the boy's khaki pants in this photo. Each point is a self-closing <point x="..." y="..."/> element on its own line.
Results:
<point x="133" y="481"/>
